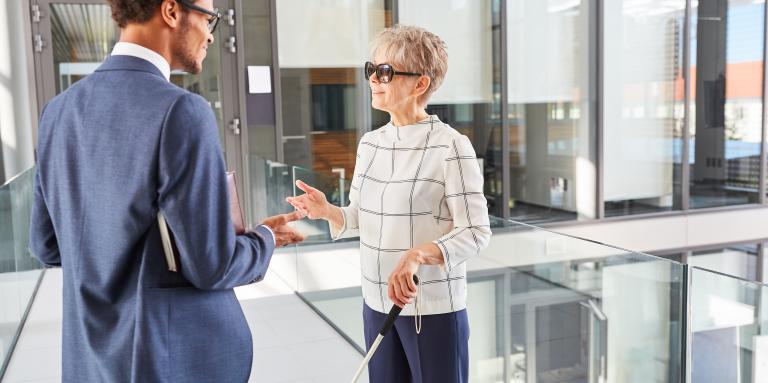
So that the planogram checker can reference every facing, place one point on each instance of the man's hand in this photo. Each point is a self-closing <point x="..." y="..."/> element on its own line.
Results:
<point x="284" y="234"/>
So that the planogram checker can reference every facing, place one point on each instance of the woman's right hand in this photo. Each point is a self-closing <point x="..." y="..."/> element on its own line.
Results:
<point x="312" y="203"/>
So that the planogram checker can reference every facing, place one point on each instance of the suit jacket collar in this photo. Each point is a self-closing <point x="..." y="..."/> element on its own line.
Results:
<point x="129" y="63"/>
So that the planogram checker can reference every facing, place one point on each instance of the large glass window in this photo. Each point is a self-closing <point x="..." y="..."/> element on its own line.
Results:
<point x="726" y="101"/>
<point x="552" y="135"/>
<point x="642" y="105"/>
<point x="79" y="49"/>
<point x="16" y="93"/>
<point x="322" y="46"/>
<point x="469" y="98"/>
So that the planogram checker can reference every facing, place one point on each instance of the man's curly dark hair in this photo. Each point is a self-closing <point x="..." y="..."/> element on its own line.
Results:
<point x="133" y="11"/>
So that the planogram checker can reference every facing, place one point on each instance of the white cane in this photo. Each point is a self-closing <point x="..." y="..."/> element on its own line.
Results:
<point x="394" y="312"/>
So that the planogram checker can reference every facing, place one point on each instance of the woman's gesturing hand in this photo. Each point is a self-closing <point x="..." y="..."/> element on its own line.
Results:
<point x="312" y="203"/>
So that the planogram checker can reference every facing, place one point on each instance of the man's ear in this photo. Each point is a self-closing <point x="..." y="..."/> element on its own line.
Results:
<point x="422" y="85"/>
<point x="170" y="12"/>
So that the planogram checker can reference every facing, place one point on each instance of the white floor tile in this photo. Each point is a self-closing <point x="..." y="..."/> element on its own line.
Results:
<point x="36" y="364"/>
<point x="292" y="344"/>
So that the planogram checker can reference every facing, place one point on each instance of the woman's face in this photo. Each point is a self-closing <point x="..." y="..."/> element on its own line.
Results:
<point x="395" y="96"/>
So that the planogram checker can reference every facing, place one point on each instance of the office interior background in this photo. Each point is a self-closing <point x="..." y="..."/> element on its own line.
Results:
<point x="600" y="126"/>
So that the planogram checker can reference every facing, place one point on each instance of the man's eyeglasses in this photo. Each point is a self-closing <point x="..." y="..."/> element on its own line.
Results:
<point x="384" y="72"/>
<point x="213" y="21"/>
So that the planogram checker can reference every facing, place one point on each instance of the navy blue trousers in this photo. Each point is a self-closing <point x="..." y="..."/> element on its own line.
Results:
<point x="440" y="353"/>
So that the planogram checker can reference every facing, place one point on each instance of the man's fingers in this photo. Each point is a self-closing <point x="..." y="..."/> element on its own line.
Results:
<point x="287" y="235"/>
<point x="293" y="216"/>
<point x="282" y="219"/>
<point x="298" y="205"/>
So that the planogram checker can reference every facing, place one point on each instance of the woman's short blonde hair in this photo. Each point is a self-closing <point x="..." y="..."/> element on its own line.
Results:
<point x="414" y="49"/>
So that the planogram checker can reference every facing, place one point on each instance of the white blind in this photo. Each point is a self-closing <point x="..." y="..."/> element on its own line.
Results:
<point x="546" y="50"/>
<point x="326" y="33"/>
<point x="465" y="26"/>
<point x="640" y="60"/>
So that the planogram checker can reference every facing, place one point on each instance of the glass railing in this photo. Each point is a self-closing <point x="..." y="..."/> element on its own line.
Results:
<point x="729" y="337"/>
<point x="20" y="273"/>
<point x="543" y="307"/>
<point x="546" y="307"/>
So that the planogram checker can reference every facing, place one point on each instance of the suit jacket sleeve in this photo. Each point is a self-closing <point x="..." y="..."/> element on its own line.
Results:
<point x="42" y="237"/>
<point x="194" y="198"/>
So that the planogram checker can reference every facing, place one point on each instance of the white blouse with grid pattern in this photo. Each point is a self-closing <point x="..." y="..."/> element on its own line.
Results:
<point x="412" y="185"/>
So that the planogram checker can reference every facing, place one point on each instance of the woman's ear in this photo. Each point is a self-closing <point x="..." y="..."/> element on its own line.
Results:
<point x="422" y="85"/>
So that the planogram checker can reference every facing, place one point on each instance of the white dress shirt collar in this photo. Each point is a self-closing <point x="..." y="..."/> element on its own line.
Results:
<point x="135" y="50"/>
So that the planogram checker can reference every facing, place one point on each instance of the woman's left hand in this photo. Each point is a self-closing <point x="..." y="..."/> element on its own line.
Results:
<point x="401" y="288"/>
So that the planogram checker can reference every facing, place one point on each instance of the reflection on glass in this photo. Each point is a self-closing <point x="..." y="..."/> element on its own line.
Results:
<point x="469" y="99"/>
<point x="322" y="48"/>
<point x="83" y="36"/>
<point x="643" y="107"/>
<point x="726" y="118"/>
<point x="551" y="123"/>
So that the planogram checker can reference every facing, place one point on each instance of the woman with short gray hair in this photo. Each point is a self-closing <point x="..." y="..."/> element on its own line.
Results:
<point x="417" y="203"/>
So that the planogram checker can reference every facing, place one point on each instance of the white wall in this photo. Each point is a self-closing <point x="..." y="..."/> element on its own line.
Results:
<point x="17" y="111"/>
<point x="679" y="231"/>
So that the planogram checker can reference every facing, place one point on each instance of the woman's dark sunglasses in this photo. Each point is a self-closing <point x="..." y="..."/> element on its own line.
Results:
<point x="384" y="72"/>
<point x="213" y="21"/>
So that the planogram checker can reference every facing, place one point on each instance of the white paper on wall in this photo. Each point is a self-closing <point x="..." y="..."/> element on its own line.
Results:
<point x="259" y="79"/>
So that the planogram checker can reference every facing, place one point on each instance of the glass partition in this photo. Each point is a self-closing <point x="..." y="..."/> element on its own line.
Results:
<point x="728" y="319"/>
<point x="271" y="183"/>
<point x="19" y="271"/>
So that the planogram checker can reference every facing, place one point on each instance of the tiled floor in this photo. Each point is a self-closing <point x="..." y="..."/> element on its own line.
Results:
<point x="291" y="343"/>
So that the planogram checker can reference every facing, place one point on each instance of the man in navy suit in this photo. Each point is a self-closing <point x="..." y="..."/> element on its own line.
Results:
<point x="115" y="149"/>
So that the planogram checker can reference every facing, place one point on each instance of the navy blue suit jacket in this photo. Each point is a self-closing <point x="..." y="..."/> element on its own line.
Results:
<point x="113" y="150"/>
